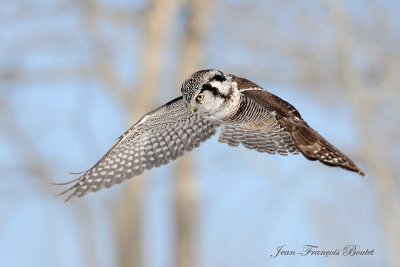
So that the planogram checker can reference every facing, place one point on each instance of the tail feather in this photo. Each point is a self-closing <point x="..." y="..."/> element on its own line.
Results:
<point x="314" y="147"/>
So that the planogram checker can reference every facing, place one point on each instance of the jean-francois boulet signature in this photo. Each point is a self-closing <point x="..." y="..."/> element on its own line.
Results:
<point x="312" y="250"/>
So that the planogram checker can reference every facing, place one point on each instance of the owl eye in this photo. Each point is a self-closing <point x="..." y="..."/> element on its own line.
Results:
<point x="200" y="97"/>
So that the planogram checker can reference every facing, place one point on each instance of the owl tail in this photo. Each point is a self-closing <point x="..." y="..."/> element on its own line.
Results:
<point x="314" y="147"/>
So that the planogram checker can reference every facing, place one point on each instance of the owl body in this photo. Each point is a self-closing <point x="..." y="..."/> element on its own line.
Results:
<point x="246" y="113"/>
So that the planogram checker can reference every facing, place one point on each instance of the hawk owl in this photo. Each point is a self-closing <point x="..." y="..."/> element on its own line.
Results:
<point x="247" y="114"/>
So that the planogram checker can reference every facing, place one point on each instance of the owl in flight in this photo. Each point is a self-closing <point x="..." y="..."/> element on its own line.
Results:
<point x="247" y="114"/>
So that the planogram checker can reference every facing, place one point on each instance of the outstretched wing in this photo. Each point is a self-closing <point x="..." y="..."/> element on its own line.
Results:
<point x="257" y="128"/>
<point x="269" y="140"/>
<point x="157" y="138"/>
<point x="308" y="141"/>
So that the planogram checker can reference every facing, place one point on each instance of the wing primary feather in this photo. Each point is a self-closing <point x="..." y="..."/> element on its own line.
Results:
<point x="153" y="141"/>
<point x="309" y="142"/>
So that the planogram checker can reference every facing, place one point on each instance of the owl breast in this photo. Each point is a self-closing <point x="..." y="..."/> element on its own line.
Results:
<point x="222" y="108"/>
<point x="248" y="113"/>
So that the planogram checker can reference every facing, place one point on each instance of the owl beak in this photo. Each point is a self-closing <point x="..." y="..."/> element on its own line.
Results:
<point x="193" y="109"/>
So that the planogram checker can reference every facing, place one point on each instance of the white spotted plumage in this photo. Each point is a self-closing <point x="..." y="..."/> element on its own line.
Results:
<point x="247" y="114"/>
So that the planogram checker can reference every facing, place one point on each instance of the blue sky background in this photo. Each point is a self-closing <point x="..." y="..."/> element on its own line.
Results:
<point x="250" y="203"/>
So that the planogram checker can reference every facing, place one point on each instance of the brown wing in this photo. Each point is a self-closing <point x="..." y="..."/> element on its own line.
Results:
<point x="159" y="137"/>
<point x="308" y="141"/>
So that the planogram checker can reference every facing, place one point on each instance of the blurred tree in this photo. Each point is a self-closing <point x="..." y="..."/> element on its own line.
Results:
<point x="186" y="202"/>
<point x="371" y="88"/>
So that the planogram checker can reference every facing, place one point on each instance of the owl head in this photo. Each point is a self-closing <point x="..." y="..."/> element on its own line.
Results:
<point x="210" y="93"/>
